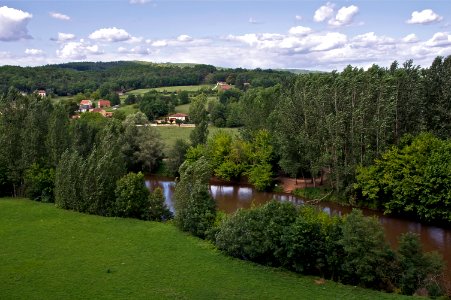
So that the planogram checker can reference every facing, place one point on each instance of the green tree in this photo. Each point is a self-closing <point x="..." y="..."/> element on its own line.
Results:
<point x="195" y="208"/>
<point x="132" y="197"/>
<point x="58" y="139"/>
<point x="176" y="156"/>
<point x="157" y="210"/>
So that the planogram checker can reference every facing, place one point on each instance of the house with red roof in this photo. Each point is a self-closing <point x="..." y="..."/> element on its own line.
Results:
<point x="85" y="105"/>
<point x="103" y="103"/>
<point x="178" y="116"/>
<point x="222" y="86"/>
<point x="42" y="93"/>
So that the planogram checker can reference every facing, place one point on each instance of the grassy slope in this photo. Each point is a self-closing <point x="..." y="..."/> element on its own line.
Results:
<point x="170" y="89"/>
<point x="49" y="253"/>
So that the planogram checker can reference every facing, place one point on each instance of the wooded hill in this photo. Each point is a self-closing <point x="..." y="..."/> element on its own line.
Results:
<point x="78" y="77"/>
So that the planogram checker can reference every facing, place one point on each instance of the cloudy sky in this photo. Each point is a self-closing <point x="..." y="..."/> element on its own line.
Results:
<point x="307" y="34"/>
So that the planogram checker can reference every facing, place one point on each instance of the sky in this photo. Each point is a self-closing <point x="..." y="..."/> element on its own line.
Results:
<point x="302" y="34"/>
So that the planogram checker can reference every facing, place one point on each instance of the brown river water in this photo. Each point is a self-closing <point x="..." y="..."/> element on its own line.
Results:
<point x="230" y="197"/>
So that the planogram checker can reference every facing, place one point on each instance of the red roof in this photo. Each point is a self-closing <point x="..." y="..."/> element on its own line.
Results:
<point x="225" y="87"/>
<point x="106" y="103"/>
<point x="85" y="102"/>
<point x="178" y="115"/>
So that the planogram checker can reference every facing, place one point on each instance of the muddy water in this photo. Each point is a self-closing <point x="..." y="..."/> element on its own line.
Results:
<point x="229" y="198"/>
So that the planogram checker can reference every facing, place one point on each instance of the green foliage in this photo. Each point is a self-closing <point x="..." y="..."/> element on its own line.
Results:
<point x="414" y="179"/>
<point x="154" y="105"/>
<point x="69" y="181"/>
<point x="183" y="97"/>
<point x="157" y="210"/>
<point x="256" y="234"/>
<point x="195" y="208"/>
<point x="176" y="156"/>
<point x="40" y="183"/>
<point x="132" y="197"/>
<point x="367" y="258"/>
<point x="418" y="269"/>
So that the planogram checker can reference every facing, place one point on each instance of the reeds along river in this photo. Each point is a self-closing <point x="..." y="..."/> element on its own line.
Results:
<point x="230" y="197"/>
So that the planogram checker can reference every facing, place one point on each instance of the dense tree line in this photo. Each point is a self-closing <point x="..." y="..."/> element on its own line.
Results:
<point x="77" y="163"/>
<point x="334" y="122"/>
<point x="107" y="77"/>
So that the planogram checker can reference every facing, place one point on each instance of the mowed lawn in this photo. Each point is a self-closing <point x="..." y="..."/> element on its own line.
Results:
<point x="50" y="253"/>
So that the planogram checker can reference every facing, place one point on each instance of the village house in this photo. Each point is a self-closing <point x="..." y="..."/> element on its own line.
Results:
<point x="178" y="116"/>
<point x="103" y="103"/>
<point x="222" y="86"/>
<point x="42" y="93"/>
<point x="85" y="105"/>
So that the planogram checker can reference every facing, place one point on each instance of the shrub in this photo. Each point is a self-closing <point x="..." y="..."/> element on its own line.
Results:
<point x="39" y="183"/>
<point x="256" y="234"/>
<point x="195" y="208"/>
<point x="132" y="197"/>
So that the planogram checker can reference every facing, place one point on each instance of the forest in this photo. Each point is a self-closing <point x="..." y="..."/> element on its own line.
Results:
<point x="79" y="77"/>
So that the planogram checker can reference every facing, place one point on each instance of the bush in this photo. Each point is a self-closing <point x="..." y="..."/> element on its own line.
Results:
<point x="195" y="208"/>
<point x="132" y="197"/>
<point x="256" y="234"/>
<point x="40" y="183"/>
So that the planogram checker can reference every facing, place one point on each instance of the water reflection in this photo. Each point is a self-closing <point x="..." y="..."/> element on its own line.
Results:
<point x="230" y="198"/>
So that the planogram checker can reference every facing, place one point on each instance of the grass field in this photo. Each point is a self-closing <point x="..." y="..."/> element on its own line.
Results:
<point x="182" y="108"/>
<point x="50" y="253"/>
<point x="170" y="89"/>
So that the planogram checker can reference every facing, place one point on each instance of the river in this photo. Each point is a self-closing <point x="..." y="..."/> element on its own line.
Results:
<point x="231" y="197"/>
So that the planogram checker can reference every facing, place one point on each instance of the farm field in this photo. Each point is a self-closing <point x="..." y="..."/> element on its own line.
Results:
<point x="50" y="253"/>
<point x="170" y="89"/>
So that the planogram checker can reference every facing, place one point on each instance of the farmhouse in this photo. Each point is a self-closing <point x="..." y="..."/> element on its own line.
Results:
<point x="42" y="93"/>
<point x="222" y="86"/>
<point x="178" y="116"/>
<point x="103" y="103"/>
<point x="85" y="105"/>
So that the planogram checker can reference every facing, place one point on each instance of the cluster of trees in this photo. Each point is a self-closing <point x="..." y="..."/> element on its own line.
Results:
<point x="231" y="157"/>
<point x="79" y="77"/>
<point x="413" y="178"/>
<point x="77" y="163"/>
<point x="337" y="121"/>
<point x="350" y="249"/>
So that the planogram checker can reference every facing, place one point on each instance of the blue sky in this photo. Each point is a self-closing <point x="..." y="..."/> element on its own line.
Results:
<point x="317" y="35"/>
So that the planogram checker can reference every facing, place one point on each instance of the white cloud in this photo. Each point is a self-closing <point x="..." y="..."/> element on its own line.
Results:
<point x="59" y="16"/>
<point x="410" y="38"/>
<point x="298" y="17"/>
<point x="439" y="39"/>
<point x="34" y="52"/>
<point x="324" y="12"/>
<point x="299" y="30"/>
<point x="110" y="35"/>
<point x="64" y="37"/>
<point x="184" y="38"/>
<point x="13" y="24"/>
<point x="425" y="16"/>
<point x="140" y="1"/>
<point x="77" y="50"/>
<point x="160" y="43"/>
<point x="344" y="16"/>
<point x="370" y="39"/>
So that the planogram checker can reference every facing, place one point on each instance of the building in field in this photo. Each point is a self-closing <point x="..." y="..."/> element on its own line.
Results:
<point x="103" y="103"/>
<point x="222" y="86"/>
<point x="85" y="105"/>
<point x="178" y="116"/>
<point x="42" y="93"/>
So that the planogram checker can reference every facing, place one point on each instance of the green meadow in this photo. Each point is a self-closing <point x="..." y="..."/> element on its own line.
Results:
<point x="50" y="253"/>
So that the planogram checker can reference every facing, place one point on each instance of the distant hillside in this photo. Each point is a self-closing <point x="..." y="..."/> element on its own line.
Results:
<point x="78" y="77"/>
<point x="298" y="71"/>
